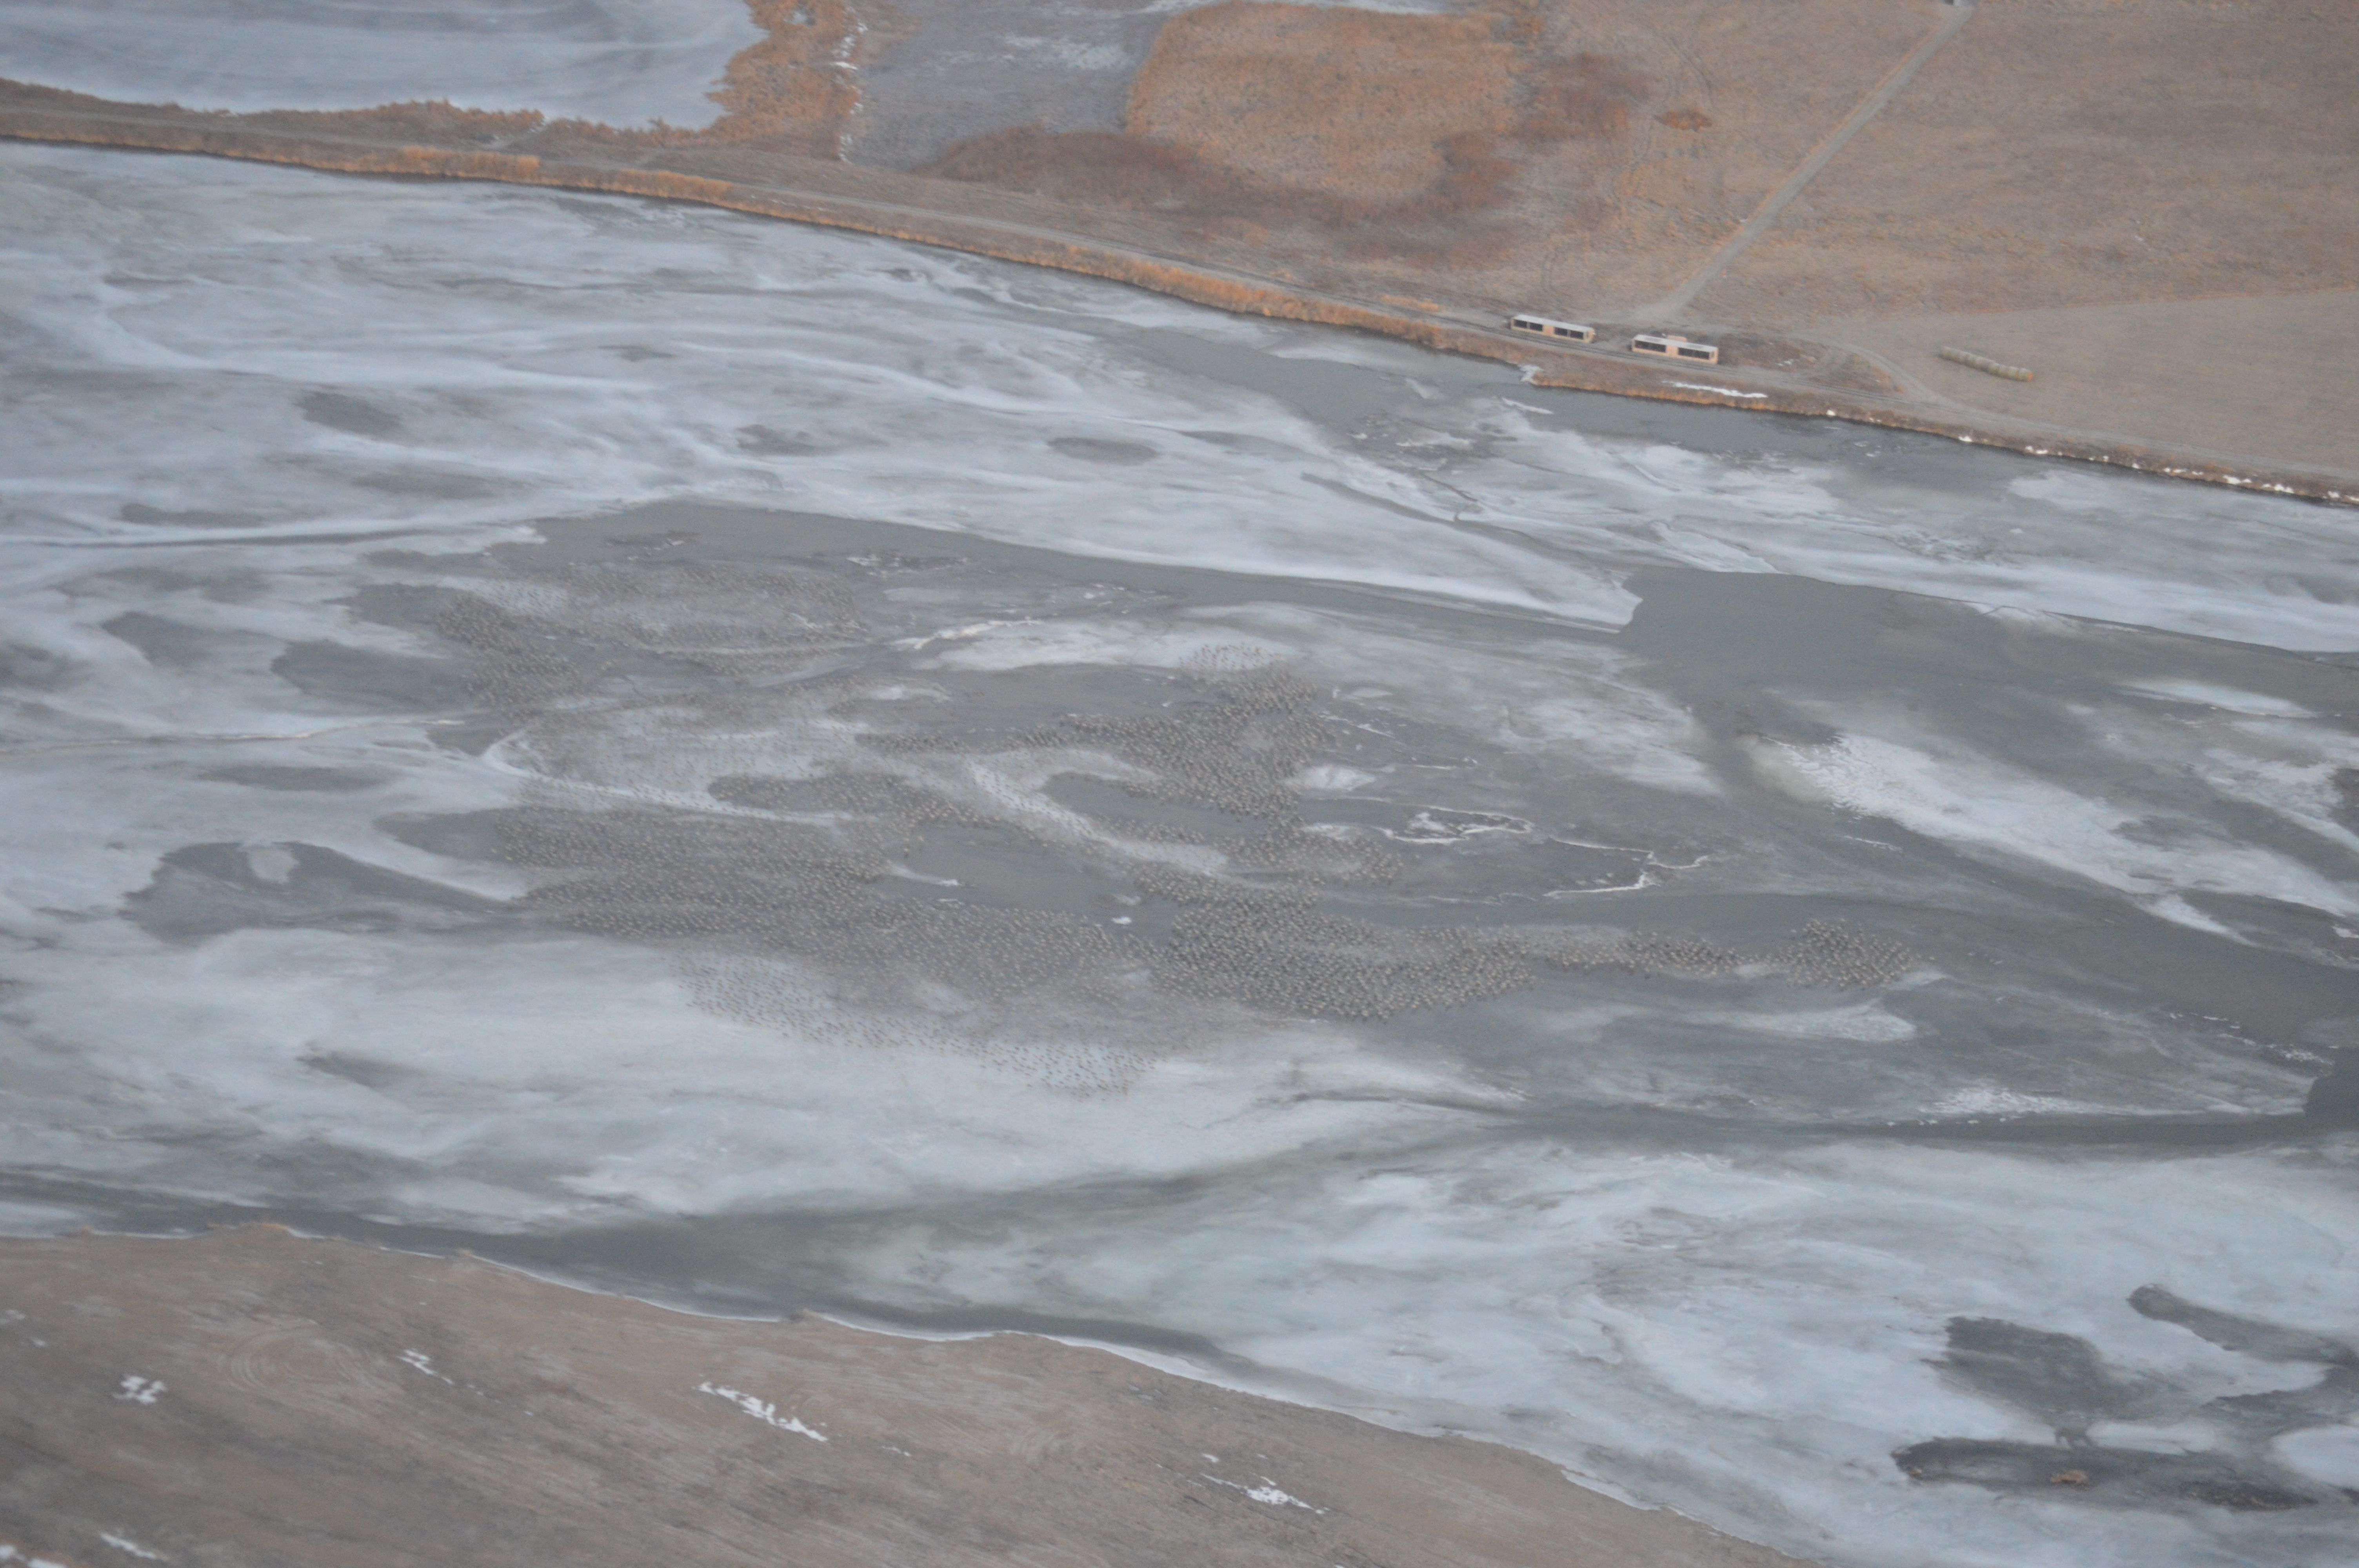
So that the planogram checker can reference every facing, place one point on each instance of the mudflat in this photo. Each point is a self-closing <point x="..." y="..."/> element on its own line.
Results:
<point x="252" y="1397"/>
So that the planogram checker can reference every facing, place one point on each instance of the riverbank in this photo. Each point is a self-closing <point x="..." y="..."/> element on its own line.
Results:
<point x="1786" y="374"/>
<point x="255" y="1396"/>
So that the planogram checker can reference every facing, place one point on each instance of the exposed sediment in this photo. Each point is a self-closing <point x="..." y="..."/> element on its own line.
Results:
<point x="253" y="1397"/>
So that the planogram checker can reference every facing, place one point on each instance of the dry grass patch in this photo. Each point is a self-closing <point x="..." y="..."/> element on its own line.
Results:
<point x="1218" y="203"/>
<point x="2220" y="158"/>
<point x="1587" y="95"/>
<point x="1354" y="104"/>
<point x="793" y="91"/>
<point x="1390" y="134"/>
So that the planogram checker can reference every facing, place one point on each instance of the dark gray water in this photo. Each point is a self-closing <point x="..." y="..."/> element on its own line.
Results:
<point x="1806" y="975"/>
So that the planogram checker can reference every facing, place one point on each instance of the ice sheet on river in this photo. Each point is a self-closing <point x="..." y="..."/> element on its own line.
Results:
<point x="1794" y="970"/>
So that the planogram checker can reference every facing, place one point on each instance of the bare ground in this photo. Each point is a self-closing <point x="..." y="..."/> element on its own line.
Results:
<point x="2154" y="206"/>
<point x="251" y="1398"/>
<point x="2235" y="376"/>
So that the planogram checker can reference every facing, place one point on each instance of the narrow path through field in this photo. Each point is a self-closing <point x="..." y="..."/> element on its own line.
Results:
<point x="1674" y="304"/>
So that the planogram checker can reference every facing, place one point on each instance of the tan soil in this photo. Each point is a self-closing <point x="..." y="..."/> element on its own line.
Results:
<point x="329" y="1405"/>
<point x="1354" y="104"/>
<point x="1770" y="81"/>
<point x="2085" y="152"/>
<point x="2236" y="376"/>
<point x="2074" y="186"/>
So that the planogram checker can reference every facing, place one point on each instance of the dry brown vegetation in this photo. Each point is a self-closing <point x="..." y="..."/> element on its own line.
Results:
<point x="791" y="91"/>
<point x="1352" y="104"/>
<point x="1118" y="170"/>
<point x="1384" y="132"/>
<point x="437" y="120"/>
<point x="1587" y="95"/>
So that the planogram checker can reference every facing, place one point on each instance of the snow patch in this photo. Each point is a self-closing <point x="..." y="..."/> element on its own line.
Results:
<point x="1268" y="1492"/>
<point x="1332" y="778"/>
<point x="2328" y="1453"/>
<point x="761" y="1411"/>
<point x="12" y="1554"/>
<point x="140" y="1390"/>
<point x="1021" y="644"/>
<point x="424" y="1363"/>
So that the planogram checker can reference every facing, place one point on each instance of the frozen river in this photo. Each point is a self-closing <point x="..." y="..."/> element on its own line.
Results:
<point x="622" y="61"/>
<point x="1796" y="971"/>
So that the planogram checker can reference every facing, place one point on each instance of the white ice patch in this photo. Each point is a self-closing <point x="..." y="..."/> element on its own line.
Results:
<point x="2066" y="490"/>
<point x="12" y="1554"/>
<point x="2178" y="911"/>
<point x="2184" y="1437"/>
<point x="762" y="1410"/>
<point x="1990" y="1099"/>
<point x="1994" y="811"/>
<point x="125" y="1544"/>
<point x="2328" y="1453"/>
<point x="41" y="1219"/>
<point x="1434" y="825"/>
<point x="271" y="862"/>
<point x="423" y="1363"/>
<point x="1069" y="55"/>
<point x="1019" y="645"/>
<point x="1579" y="701"/>
<point x="140" y="1390"/>
<point x="1583" y="705"/>
<point x="645" y="1089"/>
<point x="2284" y="763"/>
<point x="1332" y="778"/>
<point x="1869" y="1024"/>
<point x="1268" y="1492"/>
<point x="2224" y="696"/>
